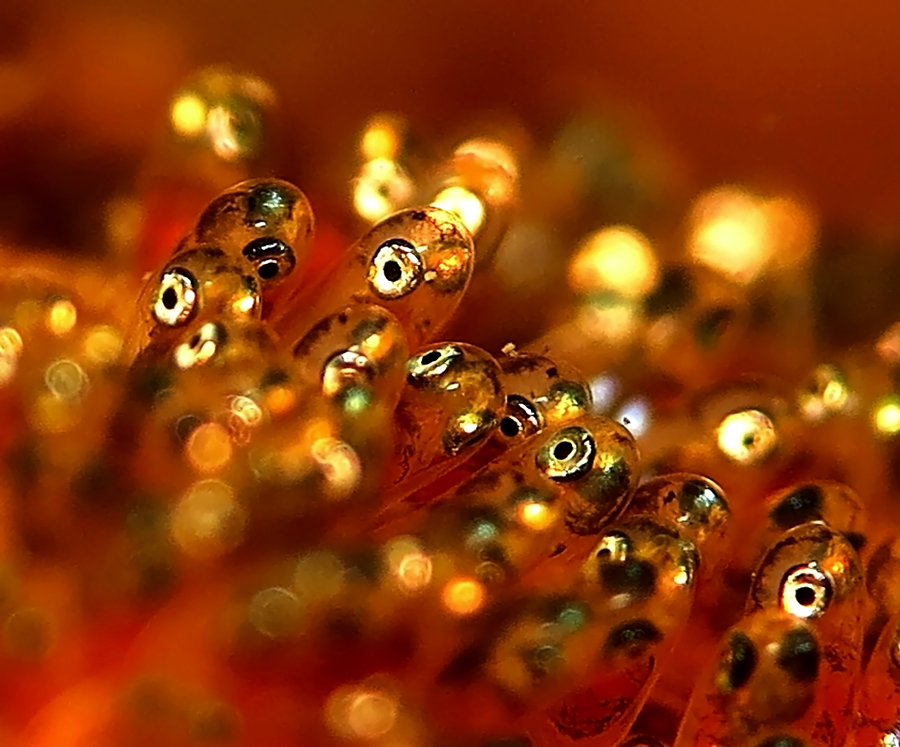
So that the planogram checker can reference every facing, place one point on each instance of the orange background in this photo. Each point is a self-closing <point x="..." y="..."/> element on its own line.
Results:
<point x="804" y="93"/>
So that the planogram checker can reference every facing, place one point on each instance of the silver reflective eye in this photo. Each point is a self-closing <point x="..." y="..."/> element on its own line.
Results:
<point x="806" y="591"/>
<point x="176" y="298"/>
<point x="747" y="437"/>
<point x="395" y="270"/>
<point x="432" y="363"/>
<point x="272" y="259"/>
<point x="568" y="454"/>
<point x="521" y="419"/>
<point x="202" y="346"/>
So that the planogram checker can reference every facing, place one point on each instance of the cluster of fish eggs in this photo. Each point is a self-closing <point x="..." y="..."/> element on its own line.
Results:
<point x="268" y="504"/>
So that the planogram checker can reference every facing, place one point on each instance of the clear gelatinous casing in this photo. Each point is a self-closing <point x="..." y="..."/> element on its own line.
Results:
<point x="239" y="347"/>
<point x="775" y="674"/>
<point x="602" y="631"/>
<point x="483" y="537"/>
<point x="638" y="583"/>
<point x="878" y="706"/>
<point x="596" y="460"/>
<point x="265" y="224"/>
<point x="324" y="460"/>
<point x="416" y="263"/>
<point x="539" y="393"/>
<point x="813" y="573"/>
<point x="202" y="284"/>
<point x="191" y="404"/>
<point x="227" y="405"/>
<point x="698" y="507"/>
<point x="355" y="355"/>
<point x="591" y="463"/>
<point x="494" y="528"/>
<point x="243" y="448"/>
<point x="507" y="516"/>
<point x="589" y="466"/>
<point x="190" y="412"/>
<point x="480" y="183"/>
<point x="746" y="440"/>
<point x="831" y="502"/>
<point x="449" y="405"/>
<point x="693" y="503"/>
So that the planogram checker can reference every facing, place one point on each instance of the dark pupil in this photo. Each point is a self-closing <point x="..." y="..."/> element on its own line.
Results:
<point x="510" y="427"/>
<point x="742" y="661"/>
<point x="170" y="298"/>
<point x="430" y="357"/>
<point x="563" y="450"/>
<point x="267" y="269"/>
<point x="799" y="655"/>
<point x="271" y="256"/>
<point x="392" y="270"/>
<point x="805" y="595"/>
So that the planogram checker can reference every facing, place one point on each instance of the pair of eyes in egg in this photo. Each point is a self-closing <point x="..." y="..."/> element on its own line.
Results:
<point x="797" y="655"/>
<point x="177" y="295"/>
<point x="394" y="271"/>
<point x="567" y="455"/>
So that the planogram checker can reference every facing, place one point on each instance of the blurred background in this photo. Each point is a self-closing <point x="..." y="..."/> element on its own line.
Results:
<point x="797" y="98"/>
